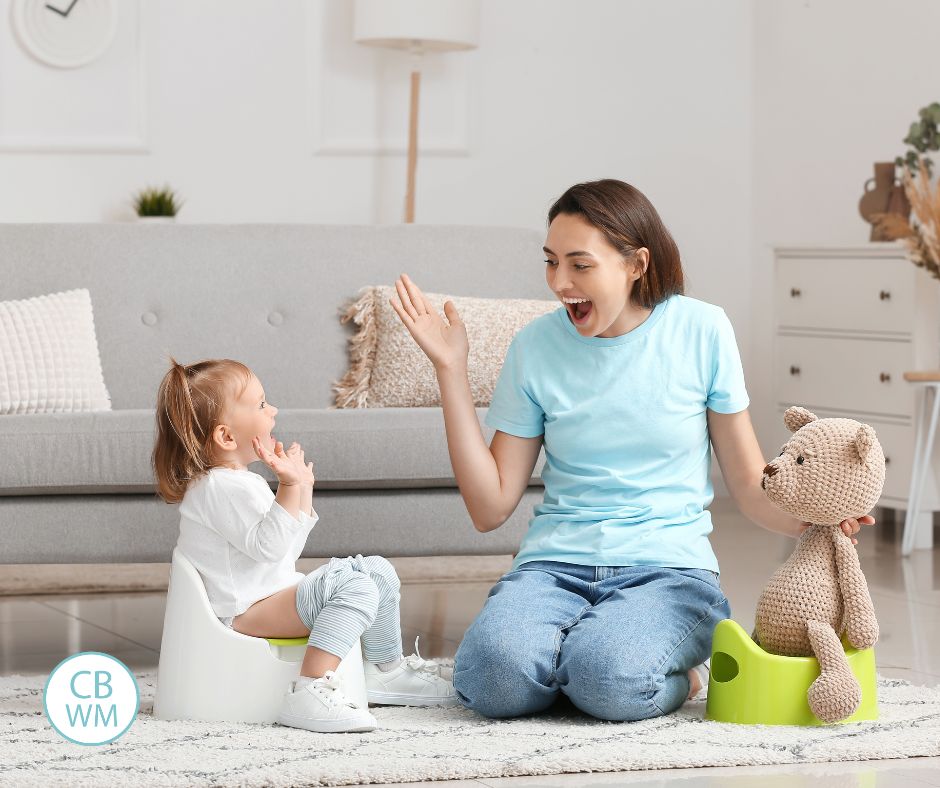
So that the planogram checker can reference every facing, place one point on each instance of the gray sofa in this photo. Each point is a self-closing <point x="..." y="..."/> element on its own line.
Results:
<point x="77" y="488"/>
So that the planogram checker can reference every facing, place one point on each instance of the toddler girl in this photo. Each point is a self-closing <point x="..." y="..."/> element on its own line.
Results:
<point x="212" y="422"/>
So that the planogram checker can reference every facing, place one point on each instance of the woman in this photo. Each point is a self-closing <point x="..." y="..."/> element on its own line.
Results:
<point x="613" y="596"/>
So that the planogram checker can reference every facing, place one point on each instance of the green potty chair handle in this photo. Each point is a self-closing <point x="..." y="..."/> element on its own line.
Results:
<point x="749" y="686"/>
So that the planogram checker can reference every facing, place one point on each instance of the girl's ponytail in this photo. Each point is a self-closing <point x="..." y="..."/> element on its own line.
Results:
<point x="181" y="413"/>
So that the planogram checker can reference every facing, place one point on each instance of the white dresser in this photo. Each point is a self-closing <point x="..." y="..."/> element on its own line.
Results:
<point x="850" y="321"/>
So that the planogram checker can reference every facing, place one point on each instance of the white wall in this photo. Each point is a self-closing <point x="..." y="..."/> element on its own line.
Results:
<point x="747" y="123"/>
<point x="837" y="83"/>
<point x="559" y="91"/>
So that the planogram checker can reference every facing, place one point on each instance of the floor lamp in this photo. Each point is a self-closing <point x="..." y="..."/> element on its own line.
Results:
<point x="417" y="26"/>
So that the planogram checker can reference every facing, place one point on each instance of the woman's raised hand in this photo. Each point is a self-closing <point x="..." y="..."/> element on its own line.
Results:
<point x="444" y="344"/>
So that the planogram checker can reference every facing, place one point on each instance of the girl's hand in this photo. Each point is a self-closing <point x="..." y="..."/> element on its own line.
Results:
<point x="283" y="466"/>
<point x="851" y="526"/>
<point x="444" y="345"/>
<point x="296" y="453"/>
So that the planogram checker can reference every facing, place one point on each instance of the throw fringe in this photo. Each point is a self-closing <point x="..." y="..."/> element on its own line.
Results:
<point x="352" y="390"/>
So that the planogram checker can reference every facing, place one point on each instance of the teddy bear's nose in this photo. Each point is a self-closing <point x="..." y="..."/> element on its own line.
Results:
<point x="770" y="470"/>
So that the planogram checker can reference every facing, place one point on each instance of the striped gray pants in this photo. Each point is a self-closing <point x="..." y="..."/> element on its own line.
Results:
<point x="352" y="598"/>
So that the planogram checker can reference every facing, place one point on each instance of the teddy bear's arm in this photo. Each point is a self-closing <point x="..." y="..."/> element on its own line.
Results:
<point x="861" y="626"/>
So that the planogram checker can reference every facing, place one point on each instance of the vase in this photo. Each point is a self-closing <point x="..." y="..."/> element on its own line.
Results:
<point x="883" y="194"/>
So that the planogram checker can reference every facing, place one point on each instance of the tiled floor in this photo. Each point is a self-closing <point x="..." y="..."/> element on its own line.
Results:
<point x="37" y="632"/>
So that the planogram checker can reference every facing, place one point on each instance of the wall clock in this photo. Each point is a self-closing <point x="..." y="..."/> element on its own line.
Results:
<point x="65" y="33"/>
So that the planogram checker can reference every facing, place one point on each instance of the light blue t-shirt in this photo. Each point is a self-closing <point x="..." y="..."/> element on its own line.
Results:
<point x="625" y="433"/>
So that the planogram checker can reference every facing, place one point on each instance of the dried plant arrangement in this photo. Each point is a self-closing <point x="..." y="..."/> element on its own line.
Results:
<point x="921" y="234"/>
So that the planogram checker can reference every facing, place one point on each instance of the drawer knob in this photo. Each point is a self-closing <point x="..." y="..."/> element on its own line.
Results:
<point x="884" y="377"/>
<point x="794" y="370"/>
<point x="885" y="295"/>
<point x="795" y="292"/>
<point x="887" y="460"/>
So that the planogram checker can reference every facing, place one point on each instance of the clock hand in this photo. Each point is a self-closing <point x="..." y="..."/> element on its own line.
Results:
<point x="64" y="13"/>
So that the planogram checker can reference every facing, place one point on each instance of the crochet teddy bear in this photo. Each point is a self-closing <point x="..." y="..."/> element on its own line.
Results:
<point x="829" y="470"/>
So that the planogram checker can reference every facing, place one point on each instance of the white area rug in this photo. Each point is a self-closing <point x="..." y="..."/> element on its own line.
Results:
<point x="436" y="744"/>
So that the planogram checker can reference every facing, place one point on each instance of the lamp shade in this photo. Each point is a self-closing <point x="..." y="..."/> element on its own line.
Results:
<point x="423" y="25"/>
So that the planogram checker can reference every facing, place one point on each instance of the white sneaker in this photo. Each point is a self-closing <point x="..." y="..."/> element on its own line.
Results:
<point x="415" y="682"/>
<point x="322" y="707"/>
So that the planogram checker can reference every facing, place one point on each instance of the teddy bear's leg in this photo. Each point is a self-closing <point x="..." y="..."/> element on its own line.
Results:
<point x="836" y="694"/>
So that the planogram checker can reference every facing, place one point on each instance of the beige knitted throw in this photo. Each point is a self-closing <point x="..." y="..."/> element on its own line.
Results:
<point x="829" y="470"/>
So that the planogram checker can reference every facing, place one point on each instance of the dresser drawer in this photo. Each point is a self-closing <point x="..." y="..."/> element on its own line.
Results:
<point x="846" y="294"/>
<point x="898" y="445"/>
<point x="845" y="374"/>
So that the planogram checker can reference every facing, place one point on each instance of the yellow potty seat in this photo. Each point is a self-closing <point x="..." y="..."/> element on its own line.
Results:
<point x="748" y="685"/>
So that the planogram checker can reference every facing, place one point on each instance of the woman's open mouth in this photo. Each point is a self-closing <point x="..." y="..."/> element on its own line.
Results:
<point x="580" y="312"/>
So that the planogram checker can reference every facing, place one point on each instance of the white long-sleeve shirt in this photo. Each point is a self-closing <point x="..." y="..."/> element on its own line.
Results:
<point x="241" y="541"/>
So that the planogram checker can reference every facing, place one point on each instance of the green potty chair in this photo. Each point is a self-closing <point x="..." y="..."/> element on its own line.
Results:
<point x="749" y="686"/>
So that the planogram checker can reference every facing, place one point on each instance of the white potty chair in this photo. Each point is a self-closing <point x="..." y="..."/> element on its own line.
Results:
<point x="210" y="672"/>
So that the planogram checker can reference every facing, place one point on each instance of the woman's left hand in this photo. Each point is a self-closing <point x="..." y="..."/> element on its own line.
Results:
<point x="851" y="526"/>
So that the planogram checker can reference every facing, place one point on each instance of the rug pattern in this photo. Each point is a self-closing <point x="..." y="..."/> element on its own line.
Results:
<point x="436" y="744"/>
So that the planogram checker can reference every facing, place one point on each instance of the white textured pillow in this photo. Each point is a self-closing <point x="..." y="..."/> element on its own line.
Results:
<point x="388" y="369"/>
<point x="49" y="358"/>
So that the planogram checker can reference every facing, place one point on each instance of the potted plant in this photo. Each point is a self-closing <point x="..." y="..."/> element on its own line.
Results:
<point x="157" y="205"/>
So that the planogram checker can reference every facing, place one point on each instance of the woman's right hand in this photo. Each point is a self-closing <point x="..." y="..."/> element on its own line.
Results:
<point x="444" y="345"/>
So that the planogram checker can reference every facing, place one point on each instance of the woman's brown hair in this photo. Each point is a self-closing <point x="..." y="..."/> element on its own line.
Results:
<point x="629" y="221"/>
<point x="190" y="403"/>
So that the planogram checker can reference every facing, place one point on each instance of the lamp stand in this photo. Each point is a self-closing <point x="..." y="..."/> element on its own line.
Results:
<point x="412" y="147"/>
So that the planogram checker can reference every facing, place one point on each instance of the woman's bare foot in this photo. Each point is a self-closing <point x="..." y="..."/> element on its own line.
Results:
<point x="695" y="684"/>
<point x="698" y="678"/>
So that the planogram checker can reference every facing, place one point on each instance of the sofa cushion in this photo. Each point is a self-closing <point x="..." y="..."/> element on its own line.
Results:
<point x="95" y="529"/>
<point x="49" y="360"/>
<point x="387" y="369"/>
<point x="155" y="290"/>
<point x="109" y="452"/>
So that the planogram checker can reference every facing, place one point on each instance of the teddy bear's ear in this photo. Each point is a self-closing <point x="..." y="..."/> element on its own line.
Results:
<point x="797" y="417"/>
<point x="864" y="440"/>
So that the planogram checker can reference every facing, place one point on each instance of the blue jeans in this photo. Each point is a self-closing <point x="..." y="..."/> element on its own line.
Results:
<point x="617" y="640"/>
